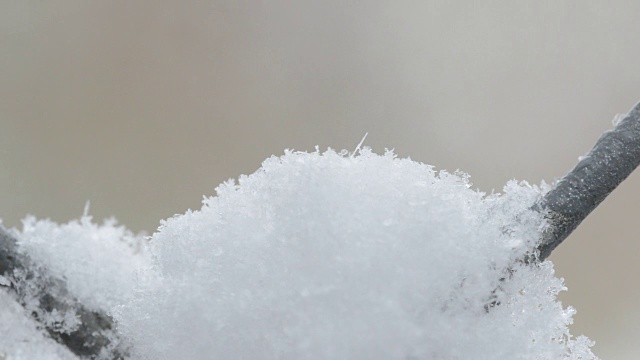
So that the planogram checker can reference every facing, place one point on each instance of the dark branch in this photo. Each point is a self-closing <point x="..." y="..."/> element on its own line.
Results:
<point x="91" y="336"/>
<point x="612" y="159"/>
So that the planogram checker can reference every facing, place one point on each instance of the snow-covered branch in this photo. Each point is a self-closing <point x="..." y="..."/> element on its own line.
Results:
<point x="92" y="332"/>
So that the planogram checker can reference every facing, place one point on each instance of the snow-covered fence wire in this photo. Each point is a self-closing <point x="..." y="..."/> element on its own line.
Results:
<point x="322" y="255"/>
<point x="84" y="331"/>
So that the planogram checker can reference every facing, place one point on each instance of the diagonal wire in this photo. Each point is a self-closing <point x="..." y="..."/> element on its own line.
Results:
<point x="613" y="158"/>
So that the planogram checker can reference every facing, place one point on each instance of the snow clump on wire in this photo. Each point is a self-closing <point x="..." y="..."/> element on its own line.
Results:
<point x="331" y="256"/>
<point x="342" y="256"/>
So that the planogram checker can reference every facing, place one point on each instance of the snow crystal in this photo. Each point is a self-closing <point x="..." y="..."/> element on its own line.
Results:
<point x="328" y="256"/>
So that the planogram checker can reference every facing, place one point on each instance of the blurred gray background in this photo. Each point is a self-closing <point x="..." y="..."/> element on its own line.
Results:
<point x="144" y="106"/>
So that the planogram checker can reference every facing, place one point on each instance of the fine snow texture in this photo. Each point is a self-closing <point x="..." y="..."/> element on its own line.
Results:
<point x="98" y="262"/>
<point x="336" y="256"/>
<point x="21" y="338"/>
<point x="74" y="264"/>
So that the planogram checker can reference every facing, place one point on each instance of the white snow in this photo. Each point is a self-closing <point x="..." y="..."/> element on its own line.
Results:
<point x="99" y="262"/>
<point x="324" y="256"/>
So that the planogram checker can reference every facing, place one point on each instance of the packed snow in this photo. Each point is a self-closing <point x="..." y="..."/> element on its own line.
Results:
<point x="321" y="255"/>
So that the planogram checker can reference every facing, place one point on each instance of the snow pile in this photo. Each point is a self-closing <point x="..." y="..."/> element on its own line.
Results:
<point x="331" y="256"/>
<point x="314" y="256"/>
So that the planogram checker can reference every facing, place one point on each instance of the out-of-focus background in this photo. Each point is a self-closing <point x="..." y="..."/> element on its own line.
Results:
<point x="142" y="107"/>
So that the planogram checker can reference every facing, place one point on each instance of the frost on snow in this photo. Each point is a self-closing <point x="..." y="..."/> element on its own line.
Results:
<point x="324" y="256"/>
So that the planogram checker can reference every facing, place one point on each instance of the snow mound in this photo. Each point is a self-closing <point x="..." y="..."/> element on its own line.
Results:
<point x="336" y="256"/>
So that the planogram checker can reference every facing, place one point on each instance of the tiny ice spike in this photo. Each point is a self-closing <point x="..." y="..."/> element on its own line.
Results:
<point x="338" y="256"/>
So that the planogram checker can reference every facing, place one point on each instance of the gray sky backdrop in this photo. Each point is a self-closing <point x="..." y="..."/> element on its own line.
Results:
<point x="144" y="106"/>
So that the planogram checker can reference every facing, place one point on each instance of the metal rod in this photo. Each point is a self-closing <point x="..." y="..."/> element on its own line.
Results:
<point x="613" y="158"/>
